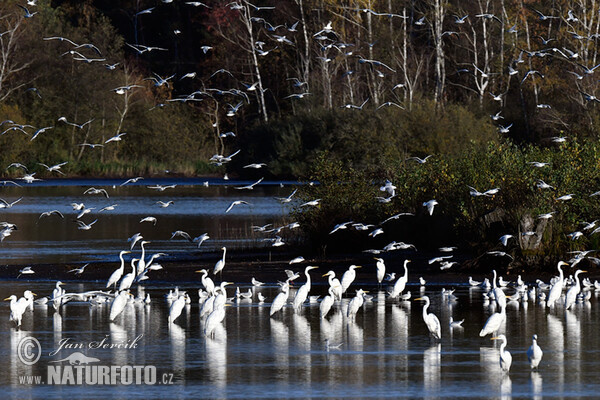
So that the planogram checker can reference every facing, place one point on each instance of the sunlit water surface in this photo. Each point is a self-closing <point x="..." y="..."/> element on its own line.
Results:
<point x="385" y="353"/>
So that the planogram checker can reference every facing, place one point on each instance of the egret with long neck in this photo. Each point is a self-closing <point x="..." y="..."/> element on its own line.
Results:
<point x="118" y="273"/>
<point x="557" y="288"/>
<point x="431" y="320"/>
<point x="400" y="284"/>
<point x="141" y="265"/>
<point x="221" y="263"/>
<point x="335" y="285"/>
<point x="499" y="295"/>
<point x="302" y="293"/>
<point x="573" y="291"/>
<point x="208" y="283"/>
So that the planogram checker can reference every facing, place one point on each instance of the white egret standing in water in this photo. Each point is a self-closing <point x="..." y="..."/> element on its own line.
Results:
<point x="335" y="285"/>
<point x="118" y="304"/>
<point x="142" y="260"/>
<point x="400" y="284"/>
<point x="355" y="304"/>
<point x="499" y="295"/>
<point x="326" y="303"/>
<point x="221" y="263"/>
<point x="214" y="319"/>
<point x="208" y="283"/>
<point x="505" y="356"/>
<point x="302" y="293"/>
<point x="380" y="269"/>
<point x="557" y="288"/>
<point x="494" y="322"/>
<point x="573" y="291"/>
<point x="118" y="273"/>
<point x="280" y="299"/>
<point x="349" y="277"/>
<point x="534" y="353"/>
<point x="432" y="322"/>
<point x="128" y="279"/>
<point x="176" y="308"/>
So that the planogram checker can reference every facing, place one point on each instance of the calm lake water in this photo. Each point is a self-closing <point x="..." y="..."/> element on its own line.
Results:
<point x="385" y="353"/>
<point x="197" y="209"/>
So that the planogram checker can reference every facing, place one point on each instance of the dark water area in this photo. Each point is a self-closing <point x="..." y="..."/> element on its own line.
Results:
<point x="196" y="209"/>
<point x="385" y="353"/>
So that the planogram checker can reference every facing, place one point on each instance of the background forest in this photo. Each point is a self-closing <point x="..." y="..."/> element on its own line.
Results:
<point x="429" y="72"/>
<point x="334" y="91"/>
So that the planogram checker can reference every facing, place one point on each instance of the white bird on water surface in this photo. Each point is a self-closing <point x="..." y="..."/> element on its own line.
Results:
<point x="128" y="279"/>
<point x="380" y="269"/>
<point x="302" y="293"/>
<point x="349" y="277"/>
<point x="573" y="291"/>
<point x="505" y="356"/>
<point x="208" y="283"/>
<point x="534" y="353"/>
<point x="326" y="303"/>
<point x="176" y="308"/>
<point x="355" y="304"/>
<point x="118" y="273"/>
<point x="494" y="322"/>
<point x="400" y="284"/>
<point x="557" y="288"/>
<point x="221" y="263"/>
<point x="118" y="304"/>
<point x="280" y="299"/>
<point x="432" y="322"/>
<point x="335" y="285"/>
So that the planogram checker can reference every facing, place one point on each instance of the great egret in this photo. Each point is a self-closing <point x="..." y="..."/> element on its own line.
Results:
<point x="432" y="322"/>
<point x="128" y="278"/>
<point x="326" y="303"/>
<point x="505" y="357"/>
<point x="221" y="297"/>
<point x="335" y="284"/>
<point x="355" y="304"/>
<point x="302" y="293"/>
<point x="142" y="261"/>
<point x="401" y="282"/>
<point x="221" y="263"/>
<point x="380" y="269"/>
<point x="349" y="277"/>
<point x="557" y="288"/>
<point x="499" y="295"/>
<point x="118" y="304"/>
<point x="208" y="283"/>
<point x="208" y="305"/>
<point x="19" y="306"/>
<point x="116" y="276"/>
<point x="214" y="319"/>
<point x="56" y="295"/>
<point x="494" y="322"/>
<point x="176" y="308"/>
<point x="573" y="291"/>
<point x="534" y="353"/>
<point x="280" y="299"/>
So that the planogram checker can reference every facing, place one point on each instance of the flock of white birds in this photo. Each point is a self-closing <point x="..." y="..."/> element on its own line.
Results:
<point x="560" y="292"/>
